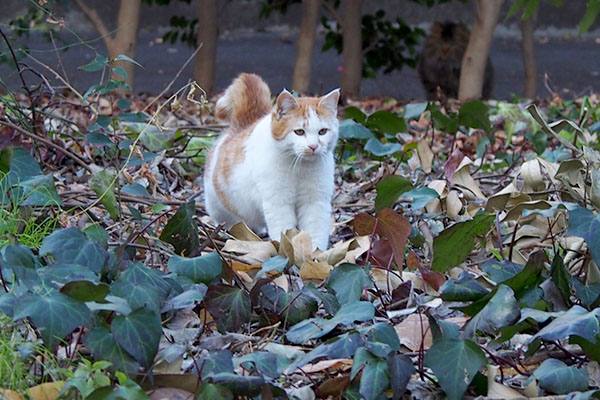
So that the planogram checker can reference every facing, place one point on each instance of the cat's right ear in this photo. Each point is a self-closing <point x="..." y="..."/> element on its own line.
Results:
<point x="286" y="102"/>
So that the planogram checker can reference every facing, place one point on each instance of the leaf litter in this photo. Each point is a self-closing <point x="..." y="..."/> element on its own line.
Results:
<point x="454" y="242"/>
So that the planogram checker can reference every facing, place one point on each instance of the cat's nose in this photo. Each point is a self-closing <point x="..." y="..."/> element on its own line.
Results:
<point x="313" y="147"/>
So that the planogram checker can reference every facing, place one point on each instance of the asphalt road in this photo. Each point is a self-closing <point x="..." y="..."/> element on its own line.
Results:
<point x="573" y="65"/>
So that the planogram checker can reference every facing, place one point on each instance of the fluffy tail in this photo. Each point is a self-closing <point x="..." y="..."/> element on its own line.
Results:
<point x="246" y="100"/>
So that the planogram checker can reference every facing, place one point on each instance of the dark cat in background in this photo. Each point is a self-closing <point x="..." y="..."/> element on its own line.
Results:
<point x="441" y="58"/>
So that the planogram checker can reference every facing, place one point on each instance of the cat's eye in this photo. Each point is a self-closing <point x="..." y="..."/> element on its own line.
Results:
<point x="299" y="132"/>
<point x="323" y="131"/>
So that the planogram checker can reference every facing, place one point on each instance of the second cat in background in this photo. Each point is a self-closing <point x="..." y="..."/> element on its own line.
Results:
<point x="440" y="60"/>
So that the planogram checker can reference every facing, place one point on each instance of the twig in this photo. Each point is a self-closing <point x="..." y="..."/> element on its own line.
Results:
<point x="49" y="143"/>
<point x="25" y="87"/>
<point x="166" y="89"/>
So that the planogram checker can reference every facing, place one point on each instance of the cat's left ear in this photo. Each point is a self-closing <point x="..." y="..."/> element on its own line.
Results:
<point x="285" y="103"/>
<point x="330" y="100"/>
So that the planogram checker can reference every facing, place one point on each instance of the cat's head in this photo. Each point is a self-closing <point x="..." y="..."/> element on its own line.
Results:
<point x="306" y="127"/>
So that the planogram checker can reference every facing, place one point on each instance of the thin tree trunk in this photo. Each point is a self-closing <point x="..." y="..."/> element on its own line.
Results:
<point x="352" y="43"/>
<point x="125" y="40"/>
<point x="204" y="69"/>
<point x="528" y="50"/>
<point x="476" y="55"/>
<point x="305" y="45"/>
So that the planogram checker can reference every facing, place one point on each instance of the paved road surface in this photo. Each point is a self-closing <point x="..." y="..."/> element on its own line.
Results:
<point x="571" y="64"/>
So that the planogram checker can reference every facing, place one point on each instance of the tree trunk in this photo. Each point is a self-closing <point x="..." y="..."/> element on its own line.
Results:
<point x="305" y="45"/>
<point x="528" y="50"/>
<point x="352" y="43"/>
<point x="476" y="55"/>
<point x="204" y="69"/>
<point x="125" y="40"/>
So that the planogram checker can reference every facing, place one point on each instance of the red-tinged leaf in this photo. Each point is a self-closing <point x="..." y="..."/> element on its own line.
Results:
<point x="452" y="164"/>
<point x="396" y="229"/>
<point x="382" y="253"/>
<point x="363" y="224"/>
<point x="431" y="277"/>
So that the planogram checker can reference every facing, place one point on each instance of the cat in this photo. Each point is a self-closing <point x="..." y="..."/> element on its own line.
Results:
<point x="440" y="60"/>
<point x="273" y="168"/>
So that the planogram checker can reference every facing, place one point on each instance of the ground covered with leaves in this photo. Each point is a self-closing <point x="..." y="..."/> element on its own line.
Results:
<point x="463" y="262"/>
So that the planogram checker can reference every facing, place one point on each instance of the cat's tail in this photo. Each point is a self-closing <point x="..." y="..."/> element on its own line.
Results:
<point x="246" y="100"/>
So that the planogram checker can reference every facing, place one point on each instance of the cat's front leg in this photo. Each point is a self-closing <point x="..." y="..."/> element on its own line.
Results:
<point x="315" y="219"/>
<point x="279" y="216"/>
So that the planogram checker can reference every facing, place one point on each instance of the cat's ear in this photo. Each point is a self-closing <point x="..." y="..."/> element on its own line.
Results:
<point x="286" y="102"/>
<point x="330" y="101"/>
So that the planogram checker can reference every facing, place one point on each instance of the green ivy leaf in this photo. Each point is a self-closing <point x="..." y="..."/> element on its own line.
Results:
<point x="86" y="290"/>
<point x="103" y="184"/>
<point x="314" y="328"/>
<point x="499" y="271"/>
<point x="382" y="332"/>
<point x="352" y="130"/>
<point x="96" y="64"/>
<point x="561" y="278"/>
<point x="343" y="346"/>
<point x="122" y="57"/>
<point x="502" y="310"/>
<point x="354" y="113"/>
<point x="575" y="321"/>
<point x="104" y="347"/>
<point x="386" y="122"/>
<point x="379" y="149"/>
<point x="273" y="264"/>
<point x="264" y="363"/>
<point x="455" y="243"/>
<point x="20" y="260"/>
<point x="389" y="189"/>
<point x="375" y="378"/>
<point x="415" y="110"/>
<point x="348" y="282"/>
<point x="138" y="296"/>
<point x="465" y="288"/>
<point x="556" y="377"/>
<point x="273" y="300"/>
<point x="420" y="197"/>
<point x="400" y="369"/>
<point x="465" y="359"/>
<point x="71" y="246"/>
<point x="54" y="314"/>
<point x="202" y="269"/>
<point x="240" y="385"/>
<point x="138" y="333"/>
<point x="99" y="139"/>
<point x="228" y="305"/>
<point x="475" y="114"/>
<point x="24" y="181"/>
<point x="181" y="231"/>
<point x="135" y="189"/>
<point x="140" y="275"/>
<point x="213" y="363"/>
<point x="213" y="392"/>
<point x="188" y="298"/>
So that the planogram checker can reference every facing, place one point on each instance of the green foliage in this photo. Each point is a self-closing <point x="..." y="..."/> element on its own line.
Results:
<point x="389" y="45"/>
<point x="14" y="371"/>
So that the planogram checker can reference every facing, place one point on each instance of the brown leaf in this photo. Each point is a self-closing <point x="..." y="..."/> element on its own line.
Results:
<point x="333" y="387"/>
<point x="396" y="229"/>
<point x="363" y="224"/>
<point x="170" y="394"/>
<point x="46" y="391"/>
<point x="431" y="277"/>
<point x="10" y="395"/>
<point x="452" y="165"/>
<point x="318" y="270"/>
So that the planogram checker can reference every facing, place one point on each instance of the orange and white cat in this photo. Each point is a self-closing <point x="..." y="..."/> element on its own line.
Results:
<point x="273" y="167"/>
